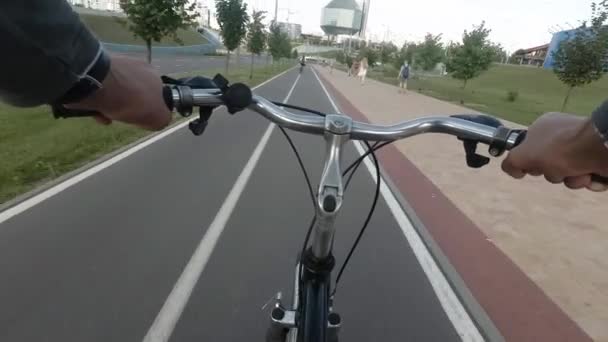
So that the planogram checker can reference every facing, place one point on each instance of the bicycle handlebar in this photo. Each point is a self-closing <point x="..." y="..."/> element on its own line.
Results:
<point x="464" y="129"/>
<point x="472" y="129"/>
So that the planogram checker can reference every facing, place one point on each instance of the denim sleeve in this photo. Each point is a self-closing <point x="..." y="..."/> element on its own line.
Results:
<point x="600" y="120"/>
<point x="45" y="48"/>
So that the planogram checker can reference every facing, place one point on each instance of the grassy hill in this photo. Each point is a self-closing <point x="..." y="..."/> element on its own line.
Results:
<point x="110" y="29"/>
<point x="538" y="91"/>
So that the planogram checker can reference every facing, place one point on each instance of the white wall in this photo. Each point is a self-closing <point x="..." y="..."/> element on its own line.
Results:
<point x="337" y="17"/>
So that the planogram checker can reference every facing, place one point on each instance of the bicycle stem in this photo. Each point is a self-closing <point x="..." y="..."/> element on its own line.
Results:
<point x="331" y="188"/>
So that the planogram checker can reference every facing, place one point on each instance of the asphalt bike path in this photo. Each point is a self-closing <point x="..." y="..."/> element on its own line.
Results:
<point x="110" y="258"/>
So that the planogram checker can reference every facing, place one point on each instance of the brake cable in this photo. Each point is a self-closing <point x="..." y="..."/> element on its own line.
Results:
<point x="352" y="168"/>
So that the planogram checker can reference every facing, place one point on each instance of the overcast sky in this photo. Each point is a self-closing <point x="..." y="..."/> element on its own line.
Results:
<point x="514" y="23"/>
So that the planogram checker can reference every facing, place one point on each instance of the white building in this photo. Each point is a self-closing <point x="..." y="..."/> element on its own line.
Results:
<point x="103" y="5"/>
<point x="293" y="30"/>
<point x="204" y="13"/>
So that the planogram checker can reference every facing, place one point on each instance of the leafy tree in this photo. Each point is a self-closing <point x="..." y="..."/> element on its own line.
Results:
<point x="515" y="57"/>
<point x="232" y="18"/>
<point x="294" y="54"/>
<point x="430" y="52"/>
<point x="581" y="59"/>
<point x="341" y="57"/>
<point x="387" y="51"/>
<point x="370" y="54"/>
<point x="407" y="52"/>
<point x="500" y="55"/>
<point x="256" y="37"/>
<point x="154" y="20"/>
<point x="278" y="43"/>
<point x="471" y="57"/>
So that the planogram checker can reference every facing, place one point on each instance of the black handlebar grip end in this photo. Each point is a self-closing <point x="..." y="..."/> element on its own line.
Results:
<point x="521" y="136"/>
<point x="237" y="97"/>
<point x="168" y="97"/>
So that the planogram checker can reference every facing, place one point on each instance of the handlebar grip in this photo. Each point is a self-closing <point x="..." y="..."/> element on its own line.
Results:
<point x="168" y="97"/>
<point x="600" y="181"/>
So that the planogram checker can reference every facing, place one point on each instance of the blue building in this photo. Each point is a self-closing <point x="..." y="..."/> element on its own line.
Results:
<point x="554" y="45"/>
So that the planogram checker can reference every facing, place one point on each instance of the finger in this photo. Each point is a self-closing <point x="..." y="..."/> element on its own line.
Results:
<point x="534" y="173"/>
<point x="512" y="170"/>
<point x="555" y="179"/>
<point x="578" y="182"/>
<point x="597" y="187"/>
<point x="102" y="120"/>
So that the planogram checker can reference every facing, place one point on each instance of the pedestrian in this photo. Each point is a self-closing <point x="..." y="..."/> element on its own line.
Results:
<point x="355" y="69"/>
<point x="331" y="66"/>
<point x="363" y="70"/>
<point x="404" y="75"/>
<point x="349" y="64"/>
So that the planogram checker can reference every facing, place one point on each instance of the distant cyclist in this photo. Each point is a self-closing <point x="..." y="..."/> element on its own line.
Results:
<point x="302" y="63"/>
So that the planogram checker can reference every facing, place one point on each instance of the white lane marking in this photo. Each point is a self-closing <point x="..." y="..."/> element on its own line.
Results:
<point x="447" y="298"/>
<point x="174" y="305"/>
<point x="34" y="200"/>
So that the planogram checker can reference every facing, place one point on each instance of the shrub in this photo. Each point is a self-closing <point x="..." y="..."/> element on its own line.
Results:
<point x="512" y="95"/>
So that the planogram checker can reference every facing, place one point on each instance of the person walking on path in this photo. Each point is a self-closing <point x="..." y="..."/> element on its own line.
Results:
<point x="363" y="70"/>
<point x="355" y="68"/>
<point x="349" y="64"/>
<point x="404" y="75"/>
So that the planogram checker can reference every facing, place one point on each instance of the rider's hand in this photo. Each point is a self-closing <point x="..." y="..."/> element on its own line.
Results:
<point x="564" y="148"/>
<point x="131" y="93"/>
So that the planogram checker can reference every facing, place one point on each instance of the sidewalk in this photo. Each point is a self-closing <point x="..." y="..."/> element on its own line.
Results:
<point x="557" y="237"/>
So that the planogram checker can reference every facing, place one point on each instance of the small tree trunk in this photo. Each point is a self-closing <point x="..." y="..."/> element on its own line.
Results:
<point x="567" y="98"/>
<point x="251" y="67"/>
<point x="227" y="62"/>
<point x="238" y="56"/>
<point x="464" y="83"/>
<point x="149" y="50"/>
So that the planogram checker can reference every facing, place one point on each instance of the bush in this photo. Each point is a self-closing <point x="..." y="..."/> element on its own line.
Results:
<point x="512" y="95"/>
<point x="390" y="71"/>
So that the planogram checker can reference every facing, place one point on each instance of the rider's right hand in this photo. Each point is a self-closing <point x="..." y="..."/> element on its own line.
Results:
<point x="131" y="93"/>
<point x="564" y="148"/>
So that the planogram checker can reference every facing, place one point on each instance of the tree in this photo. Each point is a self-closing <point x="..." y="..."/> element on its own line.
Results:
<point x="581" y="58"/>
<point x="387" y="51"/>
<point x="407" y="52"/>
<point x="232" y="18"/>
<point x="278" y="43"/>
<point x="294" y="54"/>
<point x="430" y="52"/>
<point x="154" y="20"/>
<point x="256" y="37"/>
<point x="500" y="55"/>
<point x="471" y="57"/>
<point x="370" y="54"/>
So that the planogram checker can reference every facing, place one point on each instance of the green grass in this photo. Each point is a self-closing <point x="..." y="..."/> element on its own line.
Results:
<point x="111" y="30"/>
<point x="35" y="148"/>
<point x="539" y="92"/>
